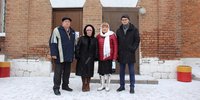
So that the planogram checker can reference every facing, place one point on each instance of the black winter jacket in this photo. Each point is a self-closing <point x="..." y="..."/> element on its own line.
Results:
<point x="127" y="44"/>
<point x="86" y="53"/>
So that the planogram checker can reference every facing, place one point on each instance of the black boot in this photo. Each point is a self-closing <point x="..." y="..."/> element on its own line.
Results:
<point x="132" y="90"/>
<point x="56" y="91"/>
<point x="120" y="89"/>
<point x="83" y="83"/>
<point x="67" y="88"/>
<point x="88" y="84"/>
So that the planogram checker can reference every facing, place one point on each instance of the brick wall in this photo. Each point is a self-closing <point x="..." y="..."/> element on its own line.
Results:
<point x="40" y="24"/>
<point x="148" y="26"/>
<point x="28" y="27"/>
<point x="190" y="23"/>
<point x="92" y="14"/>
<point x="169" y="29"/>
<point x="16" y="28"/>
<point x="168" y="37"/>
<point x="166" y="26"/>
<point x="29" y="30"/>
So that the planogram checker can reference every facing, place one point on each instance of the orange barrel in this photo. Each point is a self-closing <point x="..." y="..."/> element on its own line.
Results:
<point x="184" y="73"/>
<point x="4" y="69"/>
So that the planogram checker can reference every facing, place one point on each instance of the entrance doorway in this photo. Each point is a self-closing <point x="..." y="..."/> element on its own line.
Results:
<point x="113" y="16"/>
<point x="76" y="14"/>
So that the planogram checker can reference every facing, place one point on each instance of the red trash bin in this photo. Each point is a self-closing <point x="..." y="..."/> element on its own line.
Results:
<point x="184" y="73"/>
<point x="4" y="69"/>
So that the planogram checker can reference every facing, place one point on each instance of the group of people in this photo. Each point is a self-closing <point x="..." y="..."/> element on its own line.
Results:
<point x="107" y="48"/>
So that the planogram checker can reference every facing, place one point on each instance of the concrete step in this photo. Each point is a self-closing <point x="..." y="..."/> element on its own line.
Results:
<point x="139" y="79"/>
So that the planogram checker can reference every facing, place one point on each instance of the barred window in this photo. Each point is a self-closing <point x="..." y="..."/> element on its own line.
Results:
<point x="2" y="17"/>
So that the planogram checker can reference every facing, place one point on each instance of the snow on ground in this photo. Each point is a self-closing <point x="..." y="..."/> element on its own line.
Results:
<point x="40" y="88"/>
<point x="196" y="71"/>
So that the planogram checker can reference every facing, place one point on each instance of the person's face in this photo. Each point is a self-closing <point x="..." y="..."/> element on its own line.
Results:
<point x="125" y="21"/>
<point x="89" y="31"/>
<point x="104" y="29"/>
<point x="66" y="23"/>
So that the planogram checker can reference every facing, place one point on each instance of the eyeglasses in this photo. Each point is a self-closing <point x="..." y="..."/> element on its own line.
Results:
<point x="124" y="19"/>
<point x="88" y="30"/>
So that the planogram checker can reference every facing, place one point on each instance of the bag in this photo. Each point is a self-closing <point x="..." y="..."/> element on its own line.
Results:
<point x="113" y="66"/>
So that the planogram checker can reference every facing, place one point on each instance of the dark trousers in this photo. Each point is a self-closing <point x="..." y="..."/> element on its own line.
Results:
<point x="62" y="70"/>
<point x="131" y="74"/>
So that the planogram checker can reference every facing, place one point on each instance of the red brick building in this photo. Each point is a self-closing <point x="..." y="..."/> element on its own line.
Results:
<point x="169" y="29"/>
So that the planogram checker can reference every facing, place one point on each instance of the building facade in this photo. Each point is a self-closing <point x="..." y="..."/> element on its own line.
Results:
<point x="169" y="33"/>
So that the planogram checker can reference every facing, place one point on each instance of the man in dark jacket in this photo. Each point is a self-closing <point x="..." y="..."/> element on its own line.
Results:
<point x="62" y="51"/>
<point x="128" y="42"/>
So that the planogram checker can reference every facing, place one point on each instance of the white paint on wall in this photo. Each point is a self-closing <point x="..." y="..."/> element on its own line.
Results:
<point x="119" y="3"/>
<point x="167" y="69"/>
<point x="159" y="69"/>
<point x="67" y="3"/>
<point x="30" y="67"/>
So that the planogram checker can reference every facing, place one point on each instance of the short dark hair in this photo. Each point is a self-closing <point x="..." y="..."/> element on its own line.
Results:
<point x="93" y="30"/>
<point x="125" y="16"/>
<point x="66" y="18"/>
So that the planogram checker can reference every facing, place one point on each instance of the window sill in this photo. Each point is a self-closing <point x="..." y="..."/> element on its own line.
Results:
<point x="2" y="34"/>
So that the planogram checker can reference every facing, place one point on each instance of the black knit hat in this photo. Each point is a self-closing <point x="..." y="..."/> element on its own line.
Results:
<point x="66" y="18"/>
<point x="125" y="16"/>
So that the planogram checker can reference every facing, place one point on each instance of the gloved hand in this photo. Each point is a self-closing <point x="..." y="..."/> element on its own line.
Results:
<point x="113" y="66"/>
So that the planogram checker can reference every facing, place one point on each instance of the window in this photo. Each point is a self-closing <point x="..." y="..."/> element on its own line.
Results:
<point x="2" y="17"/>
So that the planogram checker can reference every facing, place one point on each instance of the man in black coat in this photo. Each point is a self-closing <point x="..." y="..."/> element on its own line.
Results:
<point x="62" y="51"/>
<point x="128" y="42"/>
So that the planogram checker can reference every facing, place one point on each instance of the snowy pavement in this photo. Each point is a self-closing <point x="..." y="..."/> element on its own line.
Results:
<point x="196" y="72"/>
<point x="40" y="88"/>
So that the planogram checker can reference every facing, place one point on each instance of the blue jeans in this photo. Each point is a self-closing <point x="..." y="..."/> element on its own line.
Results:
<point x="131" y="74"/>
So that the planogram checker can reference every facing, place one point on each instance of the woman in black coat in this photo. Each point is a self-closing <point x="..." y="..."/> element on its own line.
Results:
<point x="86" y="53"/>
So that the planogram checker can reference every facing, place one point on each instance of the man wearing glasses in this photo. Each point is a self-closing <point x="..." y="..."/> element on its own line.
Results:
<point x="128" y="42"/>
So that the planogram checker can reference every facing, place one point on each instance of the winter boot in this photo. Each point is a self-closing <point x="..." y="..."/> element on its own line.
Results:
<point x="102" y="81"/>
<point x="108" y="82"/>
<point x="121" y="88"/>
<point x="56" y="92"/>
<point x="132" y="91"/>
<point x="88" y="84"/>
<point x="84" y="85"/>
<point x="67" y="88"/>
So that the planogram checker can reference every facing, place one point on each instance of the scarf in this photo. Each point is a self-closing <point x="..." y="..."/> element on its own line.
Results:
<point x="106" y="46"/>
<point x="125" y="28"/>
